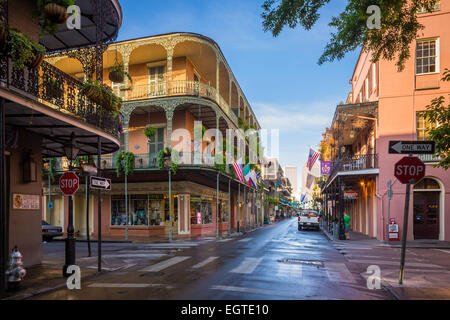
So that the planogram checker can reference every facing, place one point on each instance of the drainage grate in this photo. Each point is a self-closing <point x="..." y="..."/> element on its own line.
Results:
<point x="314" y="263"/>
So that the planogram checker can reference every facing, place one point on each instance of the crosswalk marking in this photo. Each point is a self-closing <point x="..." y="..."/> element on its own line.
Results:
<point x="245" y="240"/>
<point x="394" y="263"/>
<point x="247" y="266"/>
<point x="446" y="251"/>
<point x="164" y="264"/>
<point x="338" y="272"/>
<point x="224" y="240"/>
<point x="204" y="262"/>
<point x="290" y="271"/>
<point x="171" y="245"/>
<point x="123" y="285"/>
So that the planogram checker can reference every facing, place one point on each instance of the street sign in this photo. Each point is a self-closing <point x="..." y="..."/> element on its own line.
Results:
<point x="100" y="183"/>
<point x="409" y="170"/>
<point x="69" y="183"/>
<point x="50" y="205"/>
<point x="390" y="192"/>
<point x="412" y="147"/>
<point x="89" y="169"/>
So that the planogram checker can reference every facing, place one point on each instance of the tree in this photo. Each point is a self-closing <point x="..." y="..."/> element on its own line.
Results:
<point x="397" y="30"/>
<point x="439" y="113"/>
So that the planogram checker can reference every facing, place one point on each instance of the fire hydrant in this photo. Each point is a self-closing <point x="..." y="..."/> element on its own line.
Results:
<point x="15" y="272"/>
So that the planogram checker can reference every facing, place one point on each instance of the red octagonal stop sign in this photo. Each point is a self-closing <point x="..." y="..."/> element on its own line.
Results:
<point x="68" y="183"/>
<point x="409" y="170"/>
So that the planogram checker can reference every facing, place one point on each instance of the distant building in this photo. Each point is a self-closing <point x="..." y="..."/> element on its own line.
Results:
<point x="291" y="172"/>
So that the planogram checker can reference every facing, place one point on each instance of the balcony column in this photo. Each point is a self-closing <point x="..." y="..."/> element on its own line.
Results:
<point x="169" y="117"/>
<point x="169" y="63"/>
<point x="126" y="51"/>
<point x="126" y="126"/>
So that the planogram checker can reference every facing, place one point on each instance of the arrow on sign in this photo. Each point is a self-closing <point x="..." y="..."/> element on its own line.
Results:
<point x="100" y="183"/>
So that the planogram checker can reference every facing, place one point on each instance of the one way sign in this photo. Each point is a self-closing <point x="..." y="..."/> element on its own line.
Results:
<point x="412" y="147"/>
<point x="100" y="183"/>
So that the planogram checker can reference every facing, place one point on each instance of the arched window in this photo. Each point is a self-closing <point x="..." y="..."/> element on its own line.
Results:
<point x="427" y="184"/>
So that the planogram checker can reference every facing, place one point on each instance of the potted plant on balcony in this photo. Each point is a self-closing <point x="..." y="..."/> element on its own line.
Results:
<point x="165" y="154"/>
<point x="23" y="51"/>
<point x="124" y="163"/>
<point x="150" y="132"/>
<point x="54" y="88"/>
<point x="117" y="73"/>
<point x="101" y="95"/>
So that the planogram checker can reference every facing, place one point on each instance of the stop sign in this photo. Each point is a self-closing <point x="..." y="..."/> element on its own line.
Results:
<point x="409" y="170"/>
<point x="68" y="183"/>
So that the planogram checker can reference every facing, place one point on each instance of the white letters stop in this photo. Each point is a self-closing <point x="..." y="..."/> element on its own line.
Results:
<point x="69" y="183"/>
<point x="409" y="170"/>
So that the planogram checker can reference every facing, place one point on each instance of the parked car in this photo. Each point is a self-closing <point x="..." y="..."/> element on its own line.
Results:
<point x="49" y="231"/>
<point x="308" y="220"/>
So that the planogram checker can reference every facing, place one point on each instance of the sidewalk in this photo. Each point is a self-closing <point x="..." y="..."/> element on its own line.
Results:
<point x="427" y="272"/>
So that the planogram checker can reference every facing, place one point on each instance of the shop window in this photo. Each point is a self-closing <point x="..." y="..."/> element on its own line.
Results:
<point x="155" y="206"/>
<point x="118" y="213"/>
<point x="437" y="7"/>
<point x="223" y="211"/>
<point x="201" y="210"/>
<point x="174" y="208"/>
<point x="138" y="210"/>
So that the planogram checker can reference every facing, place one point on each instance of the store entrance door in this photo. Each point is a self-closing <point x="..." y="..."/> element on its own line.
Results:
<point x="426" y="215"/>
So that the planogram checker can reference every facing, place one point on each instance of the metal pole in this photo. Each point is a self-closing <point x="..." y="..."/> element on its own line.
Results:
<point x="229" y="206"/>
<point x="170" y="205"/>
<point x="4" y="247"/>
<point x="87" y="217"/>
<point x="217" y="207"/>
<point x="239" y="209"/>
<point x="70" y="240"/>
<point x="405" y="232"/>
<point x="99" y="207"/>
<point x="126" y="208"/>
<point x="49" y="198"/>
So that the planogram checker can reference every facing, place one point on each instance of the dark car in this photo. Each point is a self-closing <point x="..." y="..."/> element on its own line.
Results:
<point x="49" y="231"/>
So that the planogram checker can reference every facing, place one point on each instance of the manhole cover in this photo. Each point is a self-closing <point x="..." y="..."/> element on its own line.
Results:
<point x="299" y="261"/>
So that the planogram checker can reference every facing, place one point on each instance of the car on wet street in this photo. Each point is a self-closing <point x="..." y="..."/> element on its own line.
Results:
<point x="309" y="220"/>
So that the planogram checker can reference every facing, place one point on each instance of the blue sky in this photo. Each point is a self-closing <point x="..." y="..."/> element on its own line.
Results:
<point x="280" y="76"/>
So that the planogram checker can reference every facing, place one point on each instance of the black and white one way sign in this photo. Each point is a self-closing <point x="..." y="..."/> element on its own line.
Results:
<point x="413" y="147"/>
<point x="100" y="183"/>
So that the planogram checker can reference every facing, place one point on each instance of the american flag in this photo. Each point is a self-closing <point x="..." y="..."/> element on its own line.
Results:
<point x="237" y="166"/>
<point x="312" y="158"/>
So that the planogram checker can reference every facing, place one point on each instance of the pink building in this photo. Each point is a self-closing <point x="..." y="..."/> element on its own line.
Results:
<point x="384" y="105"/>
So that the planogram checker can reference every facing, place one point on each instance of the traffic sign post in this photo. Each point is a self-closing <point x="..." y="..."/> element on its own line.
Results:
<point x="69" y="183"/>
<point x="408" y="170"/>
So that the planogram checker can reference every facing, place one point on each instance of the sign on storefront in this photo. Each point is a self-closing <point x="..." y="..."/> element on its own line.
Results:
<point x="350" y="195"/>
<point x="26" y="202"/>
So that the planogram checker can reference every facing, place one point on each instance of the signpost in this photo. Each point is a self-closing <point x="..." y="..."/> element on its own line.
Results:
<point x="408" y="170"/>
<point x="412" y="147"/>
<point x="69" y="183"/>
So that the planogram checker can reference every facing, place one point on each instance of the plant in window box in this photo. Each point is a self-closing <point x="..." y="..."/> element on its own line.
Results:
<point x="55" y="88"/>
<point x="171" y="156"/>
<point x="150" y="132"/>
<point x="23" y="51"/>
<point x="117" y="73"/>
<point x="101" y="95"/>
<point x="124" y="163"/>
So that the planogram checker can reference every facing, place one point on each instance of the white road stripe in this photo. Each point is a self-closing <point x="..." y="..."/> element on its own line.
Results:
<point x="171" y="245"/>
<point x="245" y="240"/>
<point x="204" y="262"/>
<point x="290" y="271"/>
<point x="224" y="240"/>
<point x="136" y="255"/>
<point x="123" y="285"/>
<point x="338" y="272"/>
<point x="271" y="293"/>
<point x="446" y="251"/>
<point x="164" y="264"/>
<point x="247" y="266"/>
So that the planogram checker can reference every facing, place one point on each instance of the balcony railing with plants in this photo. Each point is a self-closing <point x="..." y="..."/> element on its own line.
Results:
<point x="180" y="88"/>
<point x="56" y="89"/>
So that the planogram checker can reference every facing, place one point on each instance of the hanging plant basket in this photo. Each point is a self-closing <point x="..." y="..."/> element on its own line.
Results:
<point x="150" y="132"/>
<point x="36" y="61"/>
<point x="56" y="13"/>
<point x="116" y="76"/>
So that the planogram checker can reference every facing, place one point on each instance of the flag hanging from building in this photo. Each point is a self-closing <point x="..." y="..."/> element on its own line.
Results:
<point x="238" y="168"/>
<point x="246" y="173"/>
<point x="309" y="180"/>
<point x="303" y="198"/>
<point x="253" y="181"/>
<point x="312" y="158"/>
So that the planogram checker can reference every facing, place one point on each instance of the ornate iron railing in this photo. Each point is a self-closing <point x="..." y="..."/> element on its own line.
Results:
<point x="57" y="90"/>
<point x="354" y="163"/>
<point x="180" y="88"/>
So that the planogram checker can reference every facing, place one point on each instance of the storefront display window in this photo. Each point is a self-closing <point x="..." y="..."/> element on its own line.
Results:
<point x="118" y="215"/>
<point x="138" y="210"/>
<point x="201" y="210"/>
<point x="223" y="211"/>
<point x="155" y="208"/>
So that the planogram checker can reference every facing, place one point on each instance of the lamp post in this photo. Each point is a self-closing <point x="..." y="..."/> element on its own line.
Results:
<point x="71" y="152"/>
<point x="126" y="200"/>
<point x="168" y="165"/>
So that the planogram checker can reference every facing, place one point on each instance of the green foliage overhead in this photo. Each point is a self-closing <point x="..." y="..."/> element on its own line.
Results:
<point x="49" y="167"/>
<point x="150" y="131"/>
<point x="399" y="25"/>
<point x="21" y="49"/>
<point x="439" y="112"/>
<point x="124" y="163"/>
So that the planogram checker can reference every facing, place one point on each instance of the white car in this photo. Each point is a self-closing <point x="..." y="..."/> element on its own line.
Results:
<point x="308" y="220"/>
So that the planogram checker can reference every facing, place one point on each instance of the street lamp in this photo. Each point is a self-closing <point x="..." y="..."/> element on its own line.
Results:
<point x="71" y="152"/>
<point x="168" y="165"/>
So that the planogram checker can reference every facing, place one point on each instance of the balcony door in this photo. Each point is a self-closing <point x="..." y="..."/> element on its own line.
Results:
<point x="157" y="84"/>
<point x="154" y="146"/>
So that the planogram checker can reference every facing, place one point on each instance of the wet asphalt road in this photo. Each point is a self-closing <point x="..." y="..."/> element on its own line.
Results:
<point x="274" y="262"/>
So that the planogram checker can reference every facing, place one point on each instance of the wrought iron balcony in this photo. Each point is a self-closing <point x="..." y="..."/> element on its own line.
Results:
<point x="355" y="163"/>
<point x="180" y="88"/>
<point x="56" y="89"/>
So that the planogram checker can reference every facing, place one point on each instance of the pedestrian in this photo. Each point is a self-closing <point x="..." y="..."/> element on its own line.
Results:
<point x="347" y="226"/>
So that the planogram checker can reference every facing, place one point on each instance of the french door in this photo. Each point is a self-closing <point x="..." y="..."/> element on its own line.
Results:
<point x="426" y="215"/>
<point x="157" y="84"/>
<point x="154" y="146"/>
